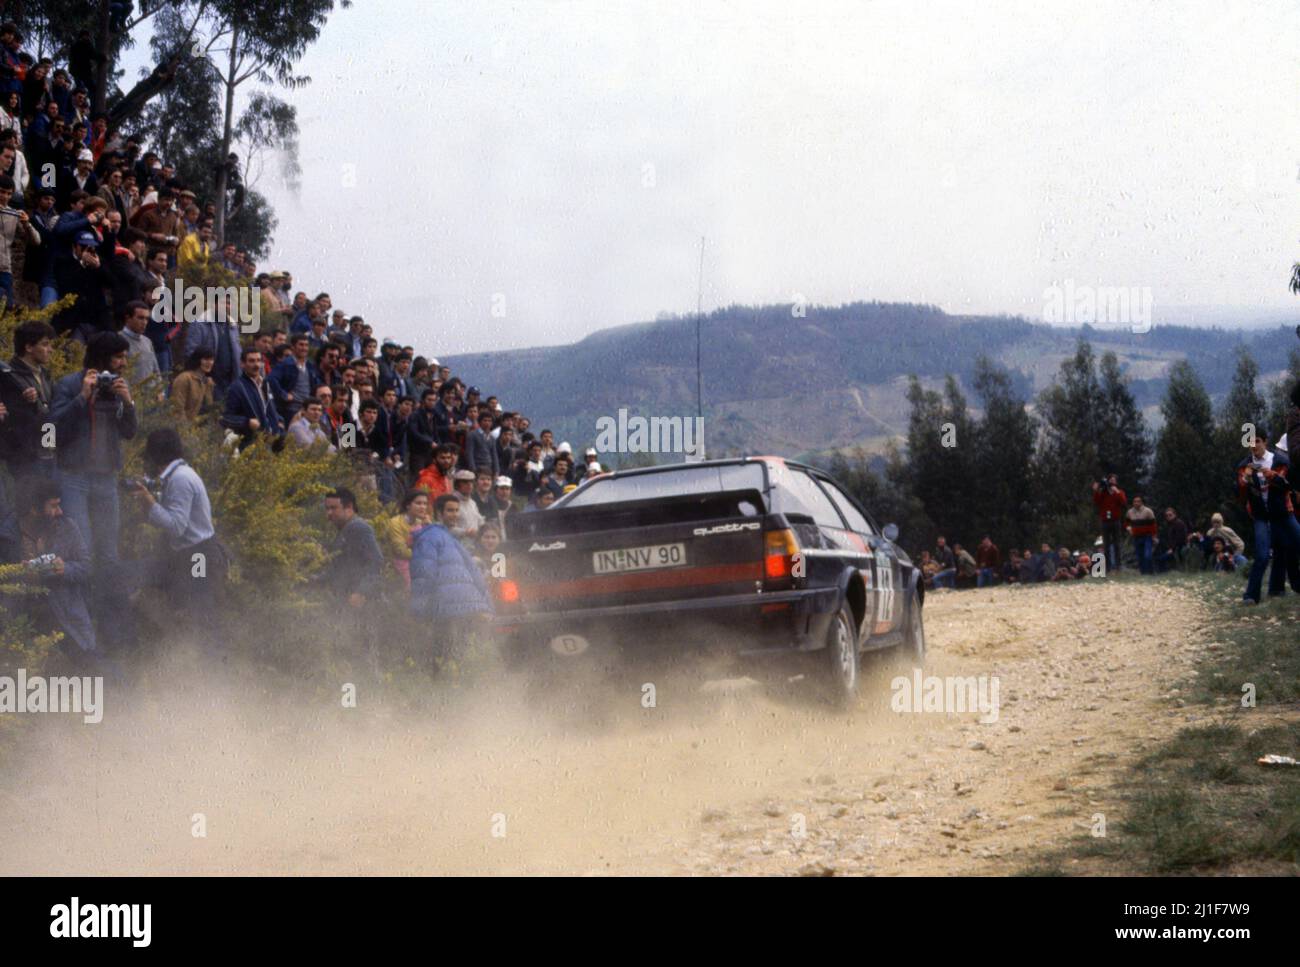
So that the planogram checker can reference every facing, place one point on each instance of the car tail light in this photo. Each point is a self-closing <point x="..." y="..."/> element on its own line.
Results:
<point x="508" y="592"/>
<point x="779" y="551"/>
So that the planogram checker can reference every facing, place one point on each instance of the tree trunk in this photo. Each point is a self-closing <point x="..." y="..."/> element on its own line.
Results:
<point x="104" y="39"/>
<point x="227" y="136"/>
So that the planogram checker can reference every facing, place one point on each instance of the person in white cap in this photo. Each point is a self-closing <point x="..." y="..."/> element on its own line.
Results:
<point x="84" y="175"/>
<point x="590" y="466"/>
<point x="462" y="482"/>
<point x="503" y="507"/>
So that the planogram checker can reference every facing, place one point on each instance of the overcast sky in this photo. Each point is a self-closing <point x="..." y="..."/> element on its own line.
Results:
<point x="564" y="159"/>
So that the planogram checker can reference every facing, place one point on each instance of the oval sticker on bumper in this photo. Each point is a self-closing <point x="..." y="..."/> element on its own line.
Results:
<point x="568" y="644"/>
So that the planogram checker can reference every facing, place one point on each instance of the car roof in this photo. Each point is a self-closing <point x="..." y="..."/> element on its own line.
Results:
<point x="724" y="462"/>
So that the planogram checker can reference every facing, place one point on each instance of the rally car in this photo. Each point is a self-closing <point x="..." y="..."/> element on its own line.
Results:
<point x="765" y="560"/>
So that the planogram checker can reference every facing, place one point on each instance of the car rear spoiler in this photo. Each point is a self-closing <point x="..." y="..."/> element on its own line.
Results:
<point x="687" y="508"/>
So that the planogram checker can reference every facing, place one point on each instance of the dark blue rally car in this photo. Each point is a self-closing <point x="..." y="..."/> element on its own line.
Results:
<point x="762" y="559"/>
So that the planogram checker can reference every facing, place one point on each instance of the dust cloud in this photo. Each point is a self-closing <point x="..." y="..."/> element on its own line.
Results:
<point x="501" y="773"/>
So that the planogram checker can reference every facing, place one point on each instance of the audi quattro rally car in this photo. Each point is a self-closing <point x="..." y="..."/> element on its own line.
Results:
<point x="768" y="560"/>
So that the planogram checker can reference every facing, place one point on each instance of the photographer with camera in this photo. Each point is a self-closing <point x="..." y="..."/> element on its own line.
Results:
<point x="1111" y="503"/>
<point x="92" y="412"/>
<point x="192" y="572"/>
<point x="55" y="555"/>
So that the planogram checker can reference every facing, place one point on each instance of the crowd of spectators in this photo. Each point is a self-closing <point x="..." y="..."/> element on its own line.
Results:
<point x="1156" y="543"/>
<point x="86" y="210"/>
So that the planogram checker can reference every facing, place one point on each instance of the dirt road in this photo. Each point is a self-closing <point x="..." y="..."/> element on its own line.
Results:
<point x="722" y="779"/>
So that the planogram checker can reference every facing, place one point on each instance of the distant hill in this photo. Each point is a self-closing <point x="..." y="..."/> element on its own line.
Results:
<point x="830" y="379"/>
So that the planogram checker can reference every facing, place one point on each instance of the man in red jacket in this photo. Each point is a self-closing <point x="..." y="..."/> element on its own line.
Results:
<point x="1111" y="503"/>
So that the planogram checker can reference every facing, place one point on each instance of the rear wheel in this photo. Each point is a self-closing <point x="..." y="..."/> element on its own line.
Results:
<point x="840" y="660"/>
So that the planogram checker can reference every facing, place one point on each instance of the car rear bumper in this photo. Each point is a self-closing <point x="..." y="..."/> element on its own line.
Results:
<point x="762" y="623"/>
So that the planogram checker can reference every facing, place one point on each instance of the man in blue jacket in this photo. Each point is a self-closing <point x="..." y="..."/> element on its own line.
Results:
<point x="222" y="337"/>
<point x="250" y="407"/>
<point x="481" y="449"/>
<point x="446" y="586"/>
<point x="295" y="378"/>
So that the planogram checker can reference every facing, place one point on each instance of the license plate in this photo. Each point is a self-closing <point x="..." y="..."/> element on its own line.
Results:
<point x="639" y="558"/>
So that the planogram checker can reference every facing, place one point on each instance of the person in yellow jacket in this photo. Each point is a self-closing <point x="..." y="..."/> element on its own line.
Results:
<point x="196" y="247"/>
<point x="397" y="532"/>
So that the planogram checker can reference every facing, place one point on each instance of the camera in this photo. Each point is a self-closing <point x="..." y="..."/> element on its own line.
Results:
<point x="42" y="566"/>
<point x="104" y="383"/>
<point x="132" y="484"/>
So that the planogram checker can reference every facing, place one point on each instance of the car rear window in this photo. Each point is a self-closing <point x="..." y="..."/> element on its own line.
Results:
<point x="801" y="495"/>
<point x="681" y="482"/>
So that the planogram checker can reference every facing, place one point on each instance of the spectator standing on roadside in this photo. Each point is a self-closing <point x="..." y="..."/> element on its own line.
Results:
<point x="358" y="564"/>
<point x="1264" y="486"/>
<point x="447" y="589"/>
<point x="192" y="571"/>
<point x="1140" y="521"/>
<point x="1111" y="504"/>
<point x="93" y="413"/>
